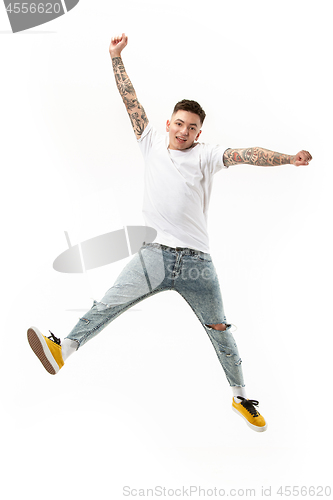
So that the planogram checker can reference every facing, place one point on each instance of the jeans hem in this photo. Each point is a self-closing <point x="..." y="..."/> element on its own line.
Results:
<point x="74" y="340"/>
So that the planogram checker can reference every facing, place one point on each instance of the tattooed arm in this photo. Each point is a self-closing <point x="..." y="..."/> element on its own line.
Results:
<point x="264" y="157"/>
<point x="135" y="110"/>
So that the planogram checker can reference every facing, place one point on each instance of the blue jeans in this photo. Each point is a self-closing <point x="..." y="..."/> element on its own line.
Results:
<point x="157" y="268"/>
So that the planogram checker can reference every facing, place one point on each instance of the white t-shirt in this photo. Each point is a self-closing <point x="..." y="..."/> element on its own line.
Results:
<point x="177" y="188"/>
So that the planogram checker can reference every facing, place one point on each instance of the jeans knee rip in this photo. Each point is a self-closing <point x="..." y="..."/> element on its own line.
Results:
<point x="228" y="326"/>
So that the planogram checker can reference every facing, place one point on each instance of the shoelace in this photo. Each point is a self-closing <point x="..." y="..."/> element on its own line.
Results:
<point x="249" y="405"/>
<point x="54" y="338"/>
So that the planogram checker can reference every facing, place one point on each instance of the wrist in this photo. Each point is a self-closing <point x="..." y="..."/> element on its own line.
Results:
<point x="292" y="159"/>
<point x="115" y="54"/>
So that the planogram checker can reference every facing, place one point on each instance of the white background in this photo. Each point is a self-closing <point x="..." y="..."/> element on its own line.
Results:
<point x="146" y="403"/>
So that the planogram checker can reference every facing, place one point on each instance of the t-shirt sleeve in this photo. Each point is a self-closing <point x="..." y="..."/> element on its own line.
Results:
<point x="214" y="158"/>
<point x="145" y="142"/>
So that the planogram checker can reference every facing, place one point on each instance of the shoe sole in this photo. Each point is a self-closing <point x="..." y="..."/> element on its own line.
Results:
<point x="40" y="348"/>
<point x="253" y="427"/>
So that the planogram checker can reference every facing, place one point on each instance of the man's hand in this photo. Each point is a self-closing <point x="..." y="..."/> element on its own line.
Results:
<point x="302" y="158"/>
<point x="118" y="43"/>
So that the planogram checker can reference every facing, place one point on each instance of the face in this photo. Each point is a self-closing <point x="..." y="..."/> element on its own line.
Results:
<point x="184" y="128"/>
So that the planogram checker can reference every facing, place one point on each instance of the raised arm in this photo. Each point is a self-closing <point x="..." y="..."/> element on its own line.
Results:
<point x="135" y="110"/>
<point x="264" y="157"/>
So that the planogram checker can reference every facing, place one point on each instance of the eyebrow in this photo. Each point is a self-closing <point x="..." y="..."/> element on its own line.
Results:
<point x="179" y="120"/>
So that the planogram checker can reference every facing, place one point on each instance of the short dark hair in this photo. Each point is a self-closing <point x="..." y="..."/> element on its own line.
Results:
<point x="192" y="107"/>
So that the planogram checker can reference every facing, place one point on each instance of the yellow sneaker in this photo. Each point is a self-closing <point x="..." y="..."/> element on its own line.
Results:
<point x="47" y="350"/>
<point x="246" y="409"/>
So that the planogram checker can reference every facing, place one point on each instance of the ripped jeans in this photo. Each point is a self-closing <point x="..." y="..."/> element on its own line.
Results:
<point x="157" y="268"/>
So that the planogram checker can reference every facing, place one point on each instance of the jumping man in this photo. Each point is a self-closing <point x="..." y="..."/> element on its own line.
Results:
<point x="178" y="179"/>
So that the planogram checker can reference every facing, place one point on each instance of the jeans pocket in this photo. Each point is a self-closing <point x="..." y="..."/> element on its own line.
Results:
<point x="202" y="258"/>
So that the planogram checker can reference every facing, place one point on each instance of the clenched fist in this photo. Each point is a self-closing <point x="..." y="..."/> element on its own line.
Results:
<point x="302" y="158"/>
<point x="118" y="43"/>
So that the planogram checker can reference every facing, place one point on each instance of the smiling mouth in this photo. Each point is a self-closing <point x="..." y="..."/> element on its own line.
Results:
<point x="180" y="139"/>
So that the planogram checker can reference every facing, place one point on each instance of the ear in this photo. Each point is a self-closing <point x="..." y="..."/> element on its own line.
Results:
<point x="167" y="125"/>
<point x="197" y="137"/>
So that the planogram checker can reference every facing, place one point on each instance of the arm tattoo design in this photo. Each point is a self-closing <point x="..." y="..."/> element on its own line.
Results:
<point x="139" y="123"/>
<point x="126" y="90"/>
<point x="124" y="84"/>
<point x="255" y="156"/>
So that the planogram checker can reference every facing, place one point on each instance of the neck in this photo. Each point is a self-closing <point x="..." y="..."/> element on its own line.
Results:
<point x="179" y="149"/>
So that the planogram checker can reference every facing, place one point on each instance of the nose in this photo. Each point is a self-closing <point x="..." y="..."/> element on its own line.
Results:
<point x="184" y="131"/>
